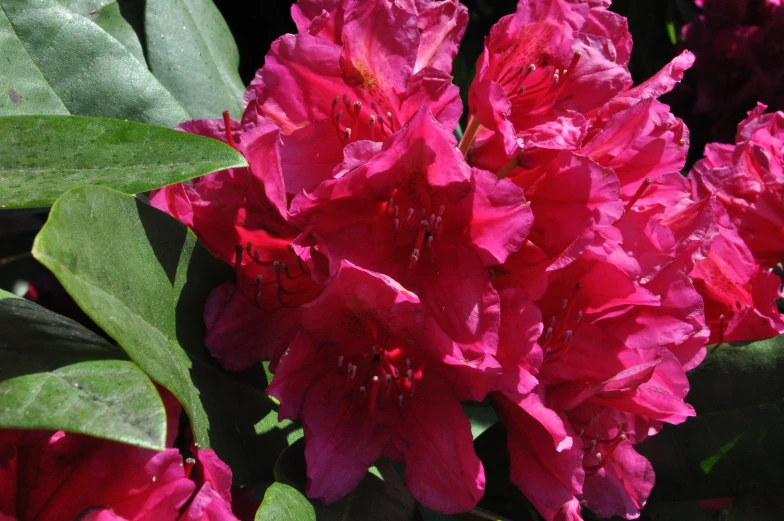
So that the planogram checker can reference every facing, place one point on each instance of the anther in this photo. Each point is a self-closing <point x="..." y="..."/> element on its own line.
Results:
<point x="396" y="224"/>
<point x="408" y="363"/>
<point x="439" y="222"/>
<point x="388" y="380"/>
<point x="374" y="350"/>
<point x="548" y="335"/>
<point x="346" y="101"/>
<point x="579" y="317"/>
<point x="400" y="400"/>
<point x="362" y="391"/>
<point x="564" y="303"/>
<point x="373" y="127"/>
<point x="410" y="375"/>
<point x="347" y="134"/>
<point x="722" y="320"/>
<point x="357" y="106"/>
<point x="430" y="241"/>
<point x="340" y="361"/>
<point x="353" y="372"/>
<point x="441" y="210"/>
<point x="409" y="213"/>
<point x="568" y="336"/>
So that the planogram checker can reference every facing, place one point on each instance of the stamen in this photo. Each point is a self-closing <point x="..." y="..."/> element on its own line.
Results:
<point x="373" y="395"/>
<point x="227" y="125"/>
<point x="468" y="136"/>
<point x="645" y="184"/>
<point x="508" y="168"/>
<point x="237" y="258"/>
<point x="340" y="361"/>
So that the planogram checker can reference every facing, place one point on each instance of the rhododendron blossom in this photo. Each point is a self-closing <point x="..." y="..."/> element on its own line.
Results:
<point x="418" y="213"/>
<point x="748" y="179"/>
<point x="554" y="262"/>
<point x="370" y="375"/>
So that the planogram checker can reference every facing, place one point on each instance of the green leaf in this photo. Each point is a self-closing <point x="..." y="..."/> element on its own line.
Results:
<point x="284" y="503"/>
<point x="56" y="374"/>
<point x="733" y="445"/>
<point x="143" y="278"/>
<point x="56" y="62"/>
<point x="380" y="499"/>
<point x="43" y="156"/>
<point x="191" y="51"/>
<point x="107" y="15"/>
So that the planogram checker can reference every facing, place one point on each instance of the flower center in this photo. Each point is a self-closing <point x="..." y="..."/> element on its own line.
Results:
<point x="382" y="377"/>
<point x="352" y="123"/>
<point x="423" y="228"/>
<point x="561" y="327"/>
<point x="276" y="278"/>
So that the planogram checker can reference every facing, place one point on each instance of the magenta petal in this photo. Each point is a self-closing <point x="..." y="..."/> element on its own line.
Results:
<point x="208" y="505"/>
<point x="548" y="473"/>
<point x="380" y="41"/>
<point x="622" y="486"/>
<point x="500" y="217"/>
<point x="341" y="443"/>
<point x="239" y="334"/>
<point x="442" y="470"/>
<point x="491" y="108"/>
<point x="441" y="25"/>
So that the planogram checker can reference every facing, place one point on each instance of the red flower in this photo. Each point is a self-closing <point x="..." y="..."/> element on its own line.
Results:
<point x="370" y="375"/>
<point x="419" y="214"/>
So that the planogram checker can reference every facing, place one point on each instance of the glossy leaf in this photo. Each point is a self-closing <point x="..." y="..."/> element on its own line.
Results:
<point x="57" y="62"/>
<point x="191" y="51"/>
<point x="107" y="15"/>
<point x="43" y="156"/>
<point x="56" y="374"/>
<point x="284" y="503"/>
<point x="380" y="499"/>
<point x="143" y="278"/>
<point x="733" y="445"/>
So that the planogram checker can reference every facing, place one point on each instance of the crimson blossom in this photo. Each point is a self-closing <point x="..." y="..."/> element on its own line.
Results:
<point x="387" y="274"/>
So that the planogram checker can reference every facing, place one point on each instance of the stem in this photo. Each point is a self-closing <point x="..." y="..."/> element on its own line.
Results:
<point x="470" y="132"/>
<point x="508" y="168"/>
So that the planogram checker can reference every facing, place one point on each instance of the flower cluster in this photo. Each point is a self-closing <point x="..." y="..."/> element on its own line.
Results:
<point x="736" y="281"/>
<point x="545" y="263"/>
<point x="739" y="48"/>
<point x="46" y="476"/>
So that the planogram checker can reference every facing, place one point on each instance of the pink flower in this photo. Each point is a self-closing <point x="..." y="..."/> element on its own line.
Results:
<point x="419" y="214"/>
<point x="749" y="179"/>
<point x="544" y="66"/>
<point x="370" y="375"/>
<point x="740" y="296"/>
<point x="240" y="215"/>
<point x="441" y="25"/>
<point x="327" y="93"/>
<point x="65" y="477"/>
<point x="628" y="293"/>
